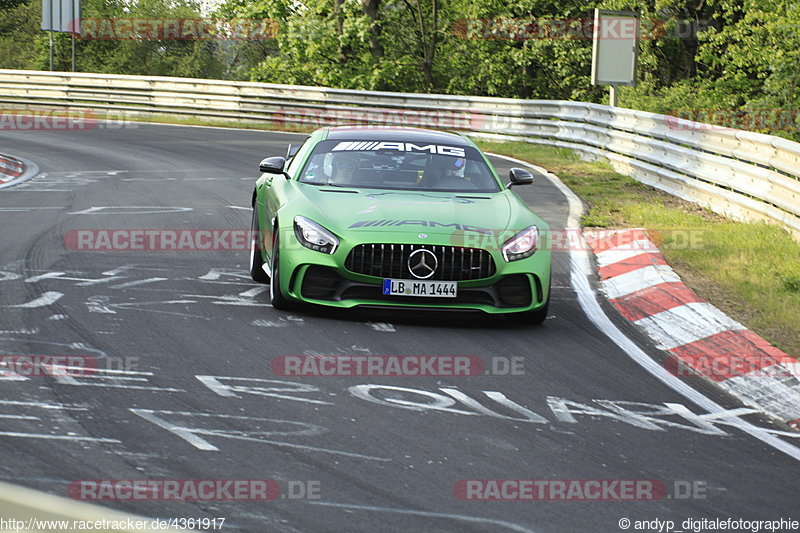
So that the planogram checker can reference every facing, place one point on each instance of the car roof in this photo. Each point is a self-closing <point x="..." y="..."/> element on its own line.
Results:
<point x="412" y="135"/>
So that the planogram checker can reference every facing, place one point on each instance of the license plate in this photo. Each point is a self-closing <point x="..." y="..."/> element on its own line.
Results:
<point x="411" y="287"/>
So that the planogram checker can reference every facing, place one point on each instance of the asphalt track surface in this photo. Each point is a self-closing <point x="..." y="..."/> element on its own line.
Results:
<point x="379" y="464"/>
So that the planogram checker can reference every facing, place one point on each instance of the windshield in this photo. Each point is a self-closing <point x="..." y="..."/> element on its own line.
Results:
<point x="398" y="165"/>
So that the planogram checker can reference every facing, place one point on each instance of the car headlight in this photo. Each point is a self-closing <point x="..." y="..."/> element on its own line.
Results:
<point x="313" y="236"/>
<point x="521" y="245"/>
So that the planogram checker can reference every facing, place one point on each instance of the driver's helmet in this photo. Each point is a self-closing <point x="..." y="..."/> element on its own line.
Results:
<point x="344" y="166"/>
<point x="446" y="168"/>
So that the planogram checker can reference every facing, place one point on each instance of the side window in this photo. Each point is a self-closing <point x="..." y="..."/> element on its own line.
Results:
<point x="294" y="163"/>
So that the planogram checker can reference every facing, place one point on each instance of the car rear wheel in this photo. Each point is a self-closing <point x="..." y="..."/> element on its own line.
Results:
<point x="279" y="301"/>
<point x="256" y="260"/>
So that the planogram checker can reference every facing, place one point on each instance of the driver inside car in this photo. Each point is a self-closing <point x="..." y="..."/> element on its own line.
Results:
<point x="344" y="167"/>
<point x="447" y="172"/>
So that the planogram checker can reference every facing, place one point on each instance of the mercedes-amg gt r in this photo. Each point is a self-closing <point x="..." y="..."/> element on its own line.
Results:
<point x="397" y="217"/>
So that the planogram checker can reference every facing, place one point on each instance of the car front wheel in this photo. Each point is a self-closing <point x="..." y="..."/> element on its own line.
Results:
<point x="279" y="301"/>
<point x="256" y="260"/>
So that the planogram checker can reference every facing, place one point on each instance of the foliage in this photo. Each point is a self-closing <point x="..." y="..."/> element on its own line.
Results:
<point x="26" y="46"/>
<point x="19" y="34"/>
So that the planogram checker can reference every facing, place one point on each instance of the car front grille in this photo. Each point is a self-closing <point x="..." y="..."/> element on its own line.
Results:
<point x="391" y="261"/>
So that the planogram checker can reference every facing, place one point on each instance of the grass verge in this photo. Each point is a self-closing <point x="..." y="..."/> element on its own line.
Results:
<point x="751" y="271"/>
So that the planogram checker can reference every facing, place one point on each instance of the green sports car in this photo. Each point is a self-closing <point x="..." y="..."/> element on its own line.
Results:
<point x="397" y="218"/>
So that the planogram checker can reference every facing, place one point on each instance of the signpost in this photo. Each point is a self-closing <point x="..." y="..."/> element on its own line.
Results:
<point x="615" y="49"/>
<point x="63" y="16"/>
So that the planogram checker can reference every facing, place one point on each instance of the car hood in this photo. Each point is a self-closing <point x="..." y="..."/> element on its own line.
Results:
<point x="412" y="212"/>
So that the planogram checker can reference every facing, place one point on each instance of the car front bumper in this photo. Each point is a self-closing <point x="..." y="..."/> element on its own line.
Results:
<point x="322" y="279"/>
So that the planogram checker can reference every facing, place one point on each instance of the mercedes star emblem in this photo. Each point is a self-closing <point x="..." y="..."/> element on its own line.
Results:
<point x="422" y="263"/>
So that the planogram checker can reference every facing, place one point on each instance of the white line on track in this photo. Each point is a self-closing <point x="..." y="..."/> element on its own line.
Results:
<point x="26" y="209"/>
<point x="255" y="291"/>
<point x="49" y="297"/>
<point x="137" y="283"/>
<point x="56" y="437"/>
<point x="118" y="270"/>
<point x="131" y="210"/>
<point x="40" y="405"/>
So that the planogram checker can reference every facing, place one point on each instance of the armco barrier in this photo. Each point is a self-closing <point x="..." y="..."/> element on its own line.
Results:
<point x="740" y="174"/>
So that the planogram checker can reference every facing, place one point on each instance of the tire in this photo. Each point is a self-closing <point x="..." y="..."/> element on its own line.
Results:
<point x="278" y="300"/>
<point x="256" y="259"/>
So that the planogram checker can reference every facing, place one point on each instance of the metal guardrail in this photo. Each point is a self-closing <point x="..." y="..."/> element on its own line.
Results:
<point x="740" y="174"/>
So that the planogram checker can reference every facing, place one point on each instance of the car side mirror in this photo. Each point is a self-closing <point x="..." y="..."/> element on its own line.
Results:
<point x="272" y="165"/>
<point x="519" y="176"/>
